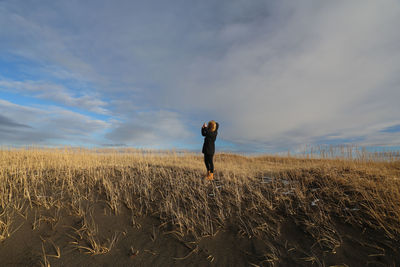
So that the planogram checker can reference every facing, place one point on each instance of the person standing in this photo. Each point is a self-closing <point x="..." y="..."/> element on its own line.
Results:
<point x="210" y="132"/>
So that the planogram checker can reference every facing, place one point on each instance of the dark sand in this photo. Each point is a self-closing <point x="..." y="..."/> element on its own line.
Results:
<point x="148" y="244"/>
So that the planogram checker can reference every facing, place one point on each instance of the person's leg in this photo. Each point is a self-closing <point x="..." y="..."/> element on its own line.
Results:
<point x="206" y="161"/>
<point x="211" y="163"/>
<point x="209" y="160"/>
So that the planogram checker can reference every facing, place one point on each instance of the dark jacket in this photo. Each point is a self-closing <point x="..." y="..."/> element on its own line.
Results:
<point x="209" y="140"/>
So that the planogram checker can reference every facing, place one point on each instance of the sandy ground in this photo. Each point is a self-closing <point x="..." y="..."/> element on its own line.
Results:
<point x="148" y="243"/>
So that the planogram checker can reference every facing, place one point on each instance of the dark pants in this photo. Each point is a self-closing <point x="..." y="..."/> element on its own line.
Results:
<point x="208" y="160"/>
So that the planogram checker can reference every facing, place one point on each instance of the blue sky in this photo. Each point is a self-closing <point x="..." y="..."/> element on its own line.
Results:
<point x="276" y="75"/>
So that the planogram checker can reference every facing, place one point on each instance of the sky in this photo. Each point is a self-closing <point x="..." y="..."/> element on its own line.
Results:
<point x="276" y="75"/>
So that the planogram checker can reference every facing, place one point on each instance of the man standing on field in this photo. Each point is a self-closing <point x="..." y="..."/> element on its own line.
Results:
<point x="210" y="132"/>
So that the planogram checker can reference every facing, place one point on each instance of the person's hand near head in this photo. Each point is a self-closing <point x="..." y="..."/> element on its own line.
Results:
<point x="205" y="125"/>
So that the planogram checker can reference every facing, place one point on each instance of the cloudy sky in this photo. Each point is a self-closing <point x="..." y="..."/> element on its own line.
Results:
<point x="276" y="75"/>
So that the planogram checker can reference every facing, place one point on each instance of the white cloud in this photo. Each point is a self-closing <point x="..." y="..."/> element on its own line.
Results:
<point x="25" y="33"/>
<point x="56" y="93"/>
<point x="321" y="71"/>
<point x="274" y="74"/>
<point x="47" y="125"/>
<point x="155" y="129"/>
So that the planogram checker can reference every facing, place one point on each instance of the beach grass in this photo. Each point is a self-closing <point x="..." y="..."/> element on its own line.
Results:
<point x="293" y="209"/>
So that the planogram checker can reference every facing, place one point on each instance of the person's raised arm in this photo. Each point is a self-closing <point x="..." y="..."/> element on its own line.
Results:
<point x="204" y="130"/>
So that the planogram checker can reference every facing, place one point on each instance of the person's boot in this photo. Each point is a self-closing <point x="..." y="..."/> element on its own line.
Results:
<point x="207" y="175"/>
<point x="210" y="176"/>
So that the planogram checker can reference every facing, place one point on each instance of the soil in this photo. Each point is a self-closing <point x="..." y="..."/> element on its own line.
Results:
<point x="148" y="243"/>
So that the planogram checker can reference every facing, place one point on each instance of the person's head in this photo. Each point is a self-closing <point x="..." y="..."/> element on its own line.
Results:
<point x="212" y="125"/>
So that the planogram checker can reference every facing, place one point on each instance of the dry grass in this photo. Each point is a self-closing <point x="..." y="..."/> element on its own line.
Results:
<point x="253" y="194"/>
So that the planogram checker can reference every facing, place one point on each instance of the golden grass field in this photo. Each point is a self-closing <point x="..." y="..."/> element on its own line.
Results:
<point x="92" y="207"/>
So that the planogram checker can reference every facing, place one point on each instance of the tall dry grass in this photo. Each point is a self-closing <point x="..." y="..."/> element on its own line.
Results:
<point x="252" y="194"/>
